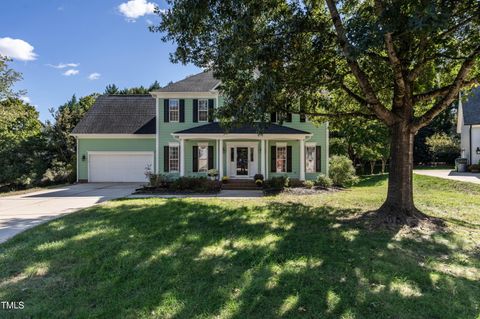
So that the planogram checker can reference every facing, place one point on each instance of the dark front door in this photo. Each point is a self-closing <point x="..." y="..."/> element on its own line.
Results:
<point x="242" y="160"/>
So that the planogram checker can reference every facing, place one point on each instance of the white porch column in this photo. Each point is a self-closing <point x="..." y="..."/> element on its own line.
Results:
<point x="217" y="157"/>
<point x="182" y="157"/>
<point x="266" y="160"/>
<point x="220" y="158"/>
<point x="262" y="158"/>
<point x="302" y="159"/>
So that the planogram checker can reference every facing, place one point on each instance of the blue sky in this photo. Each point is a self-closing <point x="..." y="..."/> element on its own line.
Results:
<point x="104" y="40"/>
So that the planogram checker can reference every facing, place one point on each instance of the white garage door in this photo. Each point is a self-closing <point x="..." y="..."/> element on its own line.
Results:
<point x="119" y="167"/>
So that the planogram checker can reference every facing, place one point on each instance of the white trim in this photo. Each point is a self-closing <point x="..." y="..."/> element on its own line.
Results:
<point x="157" y="130"/>
<point x="249" y="145"/>
<point x="221" y="158"/>
<point x="242" y="136"/>
<point x="181" y="158"/>
<point x="114" y="135"/>
<point x="198" y="110"/>
<point x="302" y="160"/>
<point x="262" y="158"/>
<point x="114" y="153"/>
<point x="277" y="146"/>
<point x="310" y="144"/>
<point x="173" y="144"/>
<point x="267" y="169"/>
<point x="281" y="144"/>
<point x="204" y="144"/>
<point x="193" y="95"/>
<point x="76" y="140"/>
<point x="178" y="111"/>
<point x="120" y="152"/>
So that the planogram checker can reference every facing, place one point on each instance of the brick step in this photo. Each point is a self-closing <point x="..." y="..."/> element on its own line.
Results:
<point x="240" y="187"/>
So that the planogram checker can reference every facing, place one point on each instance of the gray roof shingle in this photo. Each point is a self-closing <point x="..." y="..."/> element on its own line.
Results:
<point x="471" y="108"/>
<point x="119" y="114"/>
<point x="215" y="128"/>
<point x="201" y="82"/>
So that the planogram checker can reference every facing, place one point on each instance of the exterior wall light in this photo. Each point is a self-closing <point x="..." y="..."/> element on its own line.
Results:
<point x="478" y="150"/>
<point x="83" y="158"/>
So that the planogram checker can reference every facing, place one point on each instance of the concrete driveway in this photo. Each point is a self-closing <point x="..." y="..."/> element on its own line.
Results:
<point x="21" y="212"/>
<point x="449" y="174"/>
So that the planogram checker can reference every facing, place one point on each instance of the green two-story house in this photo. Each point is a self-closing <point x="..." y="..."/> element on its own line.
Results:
<point x="173" y="131"/>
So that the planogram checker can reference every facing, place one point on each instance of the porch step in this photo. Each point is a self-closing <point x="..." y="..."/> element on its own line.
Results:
<point x="240" y="184"/>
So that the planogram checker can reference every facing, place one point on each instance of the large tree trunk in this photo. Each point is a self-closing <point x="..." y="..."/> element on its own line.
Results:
<point x="399" y="207"/>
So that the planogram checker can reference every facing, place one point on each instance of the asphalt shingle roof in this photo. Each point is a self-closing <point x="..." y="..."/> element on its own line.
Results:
<point x="215" y="128"/>
<point x="119" y="114"/>
<point x="471" y="108"/>
<point x="201" y="82"/>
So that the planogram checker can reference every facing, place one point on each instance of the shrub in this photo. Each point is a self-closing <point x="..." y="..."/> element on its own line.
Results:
<point x="212" y="172"/>
<point x="309" y="184"/>
<point x="225" y="179"/>
<point x="295" y="182"/>
<point x="58" y="173"/>
<point x="259" y="182"/>
<point x="159" y="180"/>
<point x="194" y="184"/>
<point x="277" y="182"/>
<point x="474" y="168"/>
<point x="342" y="171"/>
<point x="323" y="181"/>
<point x="258" y="177"/>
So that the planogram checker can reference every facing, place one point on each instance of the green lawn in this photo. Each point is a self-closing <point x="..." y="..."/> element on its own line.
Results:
<point x="293" y="257"/>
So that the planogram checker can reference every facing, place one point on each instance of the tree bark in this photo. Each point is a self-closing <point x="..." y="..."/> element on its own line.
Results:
<point x="399" y="207"/>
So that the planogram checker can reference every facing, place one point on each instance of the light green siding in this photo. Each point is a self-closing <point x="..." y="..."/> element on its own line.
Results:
<point x="86" y="145"/>
<point x="165" y="130"/>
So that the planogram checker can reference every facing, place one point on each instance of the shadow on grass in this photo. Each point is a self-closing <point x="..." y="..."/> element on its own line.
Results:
<point x="184" y="259"/>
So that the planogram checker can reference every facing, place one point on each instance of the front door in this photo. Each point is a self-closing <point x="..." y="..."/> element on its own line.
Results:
<point x="242" y="161"/>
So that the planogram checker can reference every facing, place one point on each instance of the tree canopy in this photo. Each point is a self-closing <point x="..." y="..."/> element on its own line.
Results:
<point x="400" y="61"/>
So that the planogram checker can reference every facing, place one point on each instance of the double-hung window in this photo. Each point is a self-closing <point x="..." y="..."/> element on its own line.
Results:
<point x="203" y="110"/>
<point x="281" y="158"/>
<point x="310" y="158"/>
<point x="174" y="110"/>
<point x="202" y="157"/>
<point x="173" y="158"/>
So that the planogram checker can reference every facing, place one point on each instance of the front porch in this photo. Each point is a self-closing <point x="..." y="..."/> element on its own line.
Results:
<point x="241" y="153"/>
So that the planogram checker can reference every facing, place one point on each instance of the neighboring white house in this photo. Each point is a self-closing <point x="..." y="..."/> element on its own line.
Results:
<point x="468" y="125"/>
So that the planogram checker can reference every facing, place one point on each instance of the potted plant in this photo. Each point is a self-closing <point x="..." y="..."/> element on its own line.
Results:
<point x="225" y="179"/>
<point x="259" y="182"/>
<point x="212" y="173"/>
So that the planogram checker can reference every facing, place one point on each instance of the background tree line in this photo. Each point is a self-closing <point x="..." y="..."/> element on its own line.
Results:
<point x="36" y="153"/>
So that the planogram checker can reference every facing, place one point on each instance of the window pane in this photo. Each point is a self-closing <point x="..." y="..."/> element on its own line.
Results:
<point x="174" y="110"/>
<point x="174" y="162"/>
<point x="310" y="159"/>
<point x="202" y="158"/>
<point x="281" y="159"/>
<point x="202" y="110"/>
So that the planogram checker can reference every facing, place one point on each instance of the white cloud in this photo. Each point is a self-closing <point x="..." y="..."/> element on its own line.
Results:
<point x="17" y="49"/>
<point x="94" y="76"/>
<point x="25" y="99"/>
<point x="71" y="72"/>
<point x="64" y="65"/>
<point x="134" y="9"/>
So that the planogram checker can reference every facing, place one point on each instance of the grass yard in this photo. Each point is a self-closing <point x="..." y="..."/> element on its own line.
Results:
<point x="292" y="257"/>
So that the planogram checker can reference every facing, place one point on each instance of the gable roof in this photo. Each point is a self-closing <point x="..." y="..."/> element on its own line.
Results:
<point x="119" y="114"/>
<point x="471" y="108"/>
<point x="215" y="128"/>
<point x="201" y="82"/>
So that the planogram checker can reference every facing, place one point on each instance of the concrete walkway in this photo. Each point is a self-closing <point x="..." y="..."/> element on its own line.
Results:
<point x="224" y="194"/>
<point x="21" y="212"/>
<point x="449" y="174"/>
